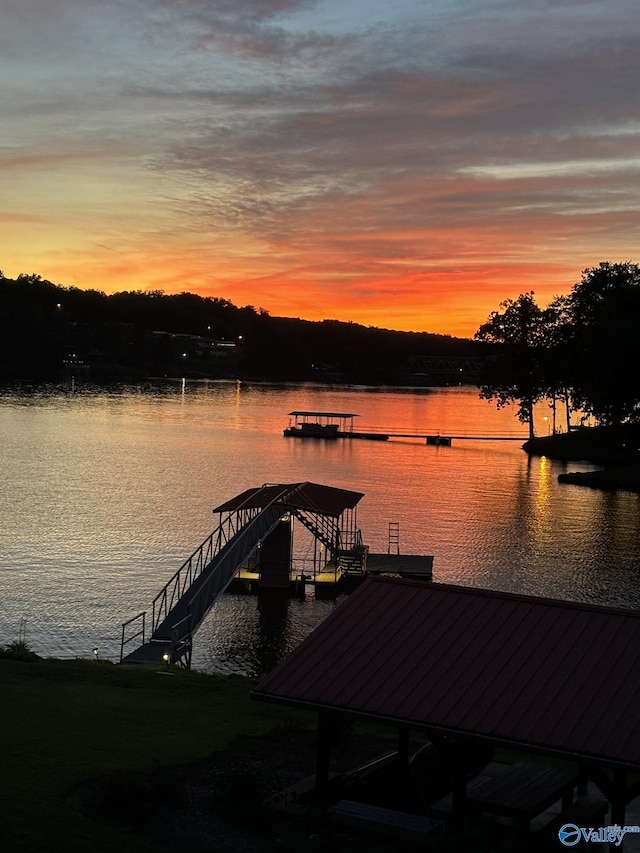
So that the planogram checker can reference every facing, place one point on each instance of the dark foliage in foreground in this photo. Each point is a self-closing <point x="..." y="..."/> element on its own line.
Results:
<point x="18" y="650"/>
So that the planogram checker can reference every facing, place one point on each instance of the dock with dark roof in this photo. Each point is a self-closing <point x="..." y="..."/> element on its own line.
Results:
<point x="251" y="550"/>
<point x="328" y="425"/>
<point x="332" y="425"/>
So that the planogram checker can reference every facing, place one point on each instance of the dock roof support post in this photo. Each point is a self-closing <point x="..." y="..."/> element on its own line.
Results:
<point x="404" y="742"/>
<point x="583" y="778"/>
<point x="619" y="797"/>
<point x="323" y="756"/>
<point x="459" y="799"/>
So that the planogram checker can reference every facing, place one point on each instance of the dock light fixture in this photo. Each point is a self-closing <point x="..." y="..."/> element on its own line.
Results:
<point x="95" y="654"/>
<point x="166" y="658"/>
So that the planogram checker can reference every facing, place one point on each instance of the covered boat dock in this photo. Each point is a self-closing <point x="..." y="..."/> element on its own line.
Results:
<point x="251" y="550"/>
<point x="327" y="425"/>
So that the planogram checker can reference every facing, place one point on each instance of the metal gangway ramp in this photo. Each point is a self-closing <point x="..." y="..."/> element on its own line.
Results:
<point x="245" y="521"/>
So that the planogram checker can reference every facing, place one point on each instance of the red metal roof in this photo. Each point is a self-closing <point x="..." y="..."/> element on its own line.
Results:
<point x="534" y="672"/>
<point x="325" y="500"/>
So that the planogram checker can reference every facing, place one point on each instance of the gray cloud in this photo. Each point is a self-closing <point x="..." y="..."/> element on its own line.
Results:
<point x="416" y="119"/>
<point x="251" y="29"/>
<point x="351" y="135"/>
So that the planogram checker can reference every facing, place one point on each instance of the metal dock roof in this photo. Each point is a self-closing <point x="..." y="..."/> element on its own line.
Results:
<point x="325" y="414"/>
<point x="552" y="676"/>
<point x="326" y="500"/>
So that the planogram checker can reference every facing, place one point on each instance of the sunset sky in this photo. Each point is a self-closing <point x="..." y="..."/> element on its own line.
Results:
<point x="405" y="164"/>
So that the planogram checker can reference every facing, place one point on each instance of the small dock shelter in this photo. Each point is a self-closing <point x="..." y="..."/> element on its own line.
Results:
<point x="554" y="683"/>
<point x="328" y="425"/>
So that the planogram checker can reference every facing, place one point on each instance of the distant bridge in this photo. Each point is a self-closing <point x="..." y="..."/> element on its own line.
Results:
<point x="461" y="366"/>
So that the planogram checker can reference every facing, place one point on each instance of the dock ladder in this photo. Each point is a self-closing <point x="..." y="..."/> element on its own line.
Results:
<point x="394" y="537"/>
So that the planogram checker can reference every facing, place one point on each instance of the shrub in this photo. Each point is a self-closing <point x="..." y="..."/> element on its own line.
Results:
<point x="18" y="650"/>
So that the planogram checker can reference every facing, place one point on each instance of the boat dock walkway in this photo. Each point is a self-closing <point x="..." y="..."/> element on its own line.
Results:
<point x="445" y="438"/>
<point x="333" y="425"/>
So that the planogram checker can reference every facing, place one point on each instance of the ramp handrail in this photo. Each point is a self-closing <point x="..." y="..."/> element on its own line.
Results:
<point x="229" y="560"/>
<point x="231" y="530"/>
<point x="196" y="563"/>
<point x="138" y="633"/>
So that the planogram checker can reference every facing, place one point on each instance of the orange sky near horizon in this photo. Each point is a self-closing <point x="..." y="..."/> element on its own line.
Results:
<point x="407" y="168"/>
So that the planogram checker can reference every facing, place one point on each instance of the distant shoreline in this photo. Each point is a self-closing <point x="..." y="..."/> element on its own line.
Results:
<point x="616" y="449"/>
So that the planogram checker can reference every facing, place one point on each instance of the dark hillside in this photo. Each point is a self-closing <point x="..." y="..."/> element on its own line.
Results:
<point x="49" y="332"/>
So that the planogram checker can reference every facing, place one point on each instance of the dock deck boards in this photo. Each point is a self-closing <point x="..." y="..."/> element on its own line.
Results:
<point x="413" y="565"/>
<point x="150" y="653"/>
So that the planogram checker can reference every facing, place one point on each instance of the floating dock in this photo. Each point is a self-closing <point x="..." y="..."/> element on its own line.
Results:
<point x="331" y="583"/>
<point x="333" y="579"/>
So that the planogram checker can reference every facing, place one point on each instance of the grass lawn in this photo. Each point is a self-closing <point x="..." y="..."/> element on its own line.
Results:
<point x="98" y="758"/>
<point x="67" y="722"/>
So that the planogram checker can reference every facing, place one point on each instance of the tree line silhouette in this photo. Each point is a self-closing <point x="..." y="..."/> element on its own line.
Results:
<point x="48" y="331"/>
<point x="581" y="351"/>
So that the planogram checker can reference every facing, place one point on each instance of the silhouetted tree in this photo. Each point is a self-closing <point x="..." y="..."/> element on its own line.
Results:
<point x="516" y="372"/>
<point x="558" y="359"/>
<point x="602" y="330"/>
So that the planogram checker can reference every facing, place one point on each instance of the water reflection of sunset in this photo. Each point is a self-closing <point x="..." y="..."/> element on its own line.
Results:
<point x="106" y="493"/>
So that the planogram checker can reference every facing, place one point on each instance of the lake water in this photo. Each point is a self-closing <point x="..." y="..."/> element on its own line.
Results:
<point x="106" y="491"/>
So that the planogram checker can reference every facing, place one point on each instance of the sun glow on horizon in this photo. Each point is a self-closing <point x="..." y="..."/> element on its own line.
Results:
<point x="408" y="169"/>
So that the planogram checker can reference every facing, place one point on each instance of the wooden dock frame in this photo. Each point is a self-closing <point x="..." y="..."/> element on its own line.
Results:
<point x="331" y="581"/>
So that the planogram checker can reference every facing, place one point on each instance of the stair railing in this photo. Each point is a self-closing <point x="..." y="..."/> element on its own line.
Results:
<point x="323" y="528"/>
<point x="139" y="631"/>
